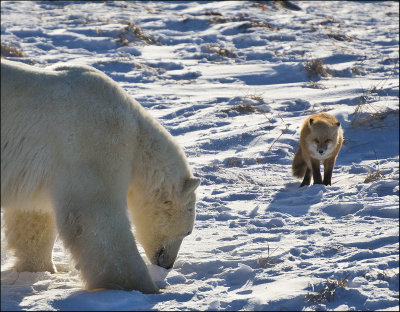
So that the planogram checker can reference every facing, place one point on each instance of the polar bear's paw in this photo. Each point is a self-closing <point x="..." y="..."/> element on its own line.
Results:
<point x="34" y="265"/>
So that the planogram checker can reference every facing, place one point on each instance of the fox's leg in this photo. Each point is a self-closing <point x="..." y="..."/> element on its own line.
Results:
<point x="328" y="169"/>
<point x="316" y="171"/>
<point x="307" y="178"/>
<point x="31" y="236"/>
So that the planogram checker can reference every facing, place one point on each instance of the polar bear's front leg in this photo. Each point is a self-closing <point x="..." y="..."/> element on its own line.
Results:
<point x="31" y="236"/>
<point x="94" y="225"/>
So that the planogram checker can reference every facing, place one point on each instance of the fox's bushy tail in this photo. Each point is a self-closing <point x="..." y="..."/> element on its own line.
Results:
<point x="299" y="166"/>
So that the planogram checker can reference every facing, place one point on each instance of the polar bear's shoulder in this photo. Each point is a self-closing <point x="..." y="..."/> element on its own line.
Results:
<point x="84" y="76"/>
<point x="73" y="68"/>
<point x="53" y="70"/>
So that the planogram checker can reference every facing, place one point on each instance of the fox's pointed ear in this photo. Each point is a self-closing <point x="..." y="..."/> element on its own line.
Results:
<point x="310" y="122"/>
<point x="190" y="185"/>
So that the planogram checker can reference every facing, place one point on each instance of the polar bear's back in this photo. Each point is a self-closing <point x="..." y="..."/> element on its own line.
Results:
<point x="58" y="115"/>
<point x="58" y="85"/>
<point x="62" y="100"/>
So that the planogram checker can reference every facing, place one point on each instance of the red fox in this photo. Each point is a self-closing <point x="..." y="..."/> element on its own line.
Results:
<point x="321" y="138"/>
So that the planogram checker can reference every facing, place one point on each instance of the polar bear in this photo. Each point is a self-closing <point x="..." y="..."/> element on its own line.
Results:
<point x="81" y="158"/>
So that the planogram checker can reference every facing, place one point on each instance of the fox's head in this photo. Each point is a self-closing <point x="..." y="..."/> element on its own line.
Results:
<point x="323" y="138"/>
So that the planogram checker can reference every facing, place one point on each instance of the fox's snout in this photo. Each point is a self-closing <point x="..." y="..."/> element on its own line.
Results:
<point x="321" y="148"/>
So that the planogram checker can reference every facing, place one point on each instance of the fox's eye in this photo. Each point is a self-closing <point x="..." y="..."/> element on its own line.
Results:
<point x="316" y="141"/>
<point x="328" y="141"/>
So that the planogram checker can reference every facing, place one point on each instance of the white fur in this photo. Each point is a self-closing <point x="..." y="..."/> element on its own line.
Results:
<point x="76" y="152"/>
<point x="313" y="148"/>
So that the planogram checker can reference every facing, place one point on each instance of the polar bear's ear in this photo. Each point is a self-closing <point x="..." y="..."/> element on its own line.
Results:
<point x="190" y="185"/>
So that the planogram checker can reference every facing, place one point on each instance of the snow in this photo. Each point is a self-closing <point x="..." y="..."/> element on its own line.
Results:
<point x="227" y="79"/>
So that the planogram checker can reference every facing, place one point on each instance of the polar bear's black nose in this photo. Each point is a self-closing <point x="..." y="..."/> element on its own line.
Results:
<point x="168" y="267"/>
<point x="162" y="259"/>
<point x="321" y="152"/>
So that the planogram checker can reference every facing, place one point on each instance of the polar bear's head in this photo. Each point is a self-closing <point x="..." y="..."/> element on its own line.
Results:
<point x="164" y="220"/>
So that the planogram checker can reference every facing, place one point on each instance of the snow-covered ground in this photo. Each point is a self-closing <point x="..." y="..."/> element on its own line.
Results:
<point x="229" y="80"/>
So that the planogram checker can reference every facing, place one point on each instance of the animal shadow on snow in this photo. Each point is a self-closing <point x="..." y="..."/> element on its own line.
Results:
<point x="106" y="300"/>
<point x="15" y="286"/>
<point x="295" y="200"/>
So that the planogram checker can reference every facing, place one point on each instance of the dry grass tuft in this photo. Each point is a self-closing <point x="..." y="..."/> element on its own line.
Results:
<point x="315" y="68"/>
<point x="233" y="162"/>
<point x="247" y="108"/>
<point x="216" y="49"/>
<point x="373" y="176"/>
<point x="131" y="33"/>
<point x="9" y="51"/>
<point x="254" y="23"/>
<point x="212" y="13"/>
<point x="371" y="119"/>
<point x="244" y="106"/>
<point x="287" y="5"/>
<point x="275" y="5"/>
<point x="315" y="85"/>
<point x="255" y="97"/>
<point x="328" y="292"/>
<point x="216" y="18"/>
<point x="355" y="70"/>
<point x="283" y="132"/>
<point x="267" y="261"/>
<point x="340" y="37"/>
<point x="367" y="114"/>
<point x="364" y="105"/>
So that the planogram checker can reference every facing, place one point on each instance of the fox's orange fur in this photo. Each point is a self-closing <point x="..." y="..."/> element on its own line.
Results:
<point x="321" y="138"/>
